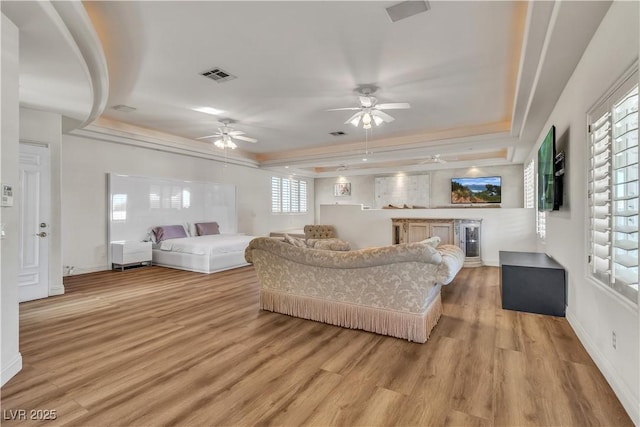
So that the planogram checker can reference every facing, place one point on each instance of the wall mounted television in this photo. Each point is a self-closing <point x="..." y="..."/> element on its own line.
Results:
<point x="549" y="183"/>
<point x="479" y="190"/>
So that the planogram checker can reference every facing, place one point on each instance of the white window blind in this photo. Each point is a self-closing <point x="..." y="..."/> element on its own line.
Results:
<point x="529" y="186"/>
<point x="288" y="195"/>
<point x="541" y="224"/>
<point x="276" y="197"/>
<point x="613" y="191"/>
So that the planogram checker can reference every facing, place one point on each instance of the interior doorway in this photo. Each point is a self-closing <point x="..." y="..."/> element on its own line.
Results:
<point x="35" y="211"/>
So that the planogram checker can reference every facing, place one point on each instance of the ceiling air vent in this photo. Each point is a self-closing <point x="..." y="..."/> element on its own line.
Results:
<point x="337" y="133"/>
<point x="406" y="9"/>
<point x="219" y="75"/>
<point x="123" y="108"/>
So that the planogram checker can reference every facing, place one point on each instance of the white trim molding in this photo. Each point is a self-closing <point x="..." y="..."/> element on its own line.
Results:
<point x="122" y="133"/>
<point x="11" y="369"/>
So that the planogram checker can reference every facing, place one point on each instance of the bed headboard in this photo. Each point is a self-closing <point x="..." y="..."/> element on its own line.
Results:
<point x="137" y="203"/>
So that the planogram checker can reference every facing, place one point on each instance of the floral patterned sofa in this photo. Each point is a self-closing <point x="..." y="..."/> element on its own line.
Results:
<point x="391" y="290"/>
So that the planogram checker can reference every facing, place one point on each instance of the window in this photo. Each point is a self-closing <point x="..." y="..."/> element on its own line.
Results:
<point x="613" y="190"/>
<point x="288" y="195"/>
<point x="541" y="224"/>
<point x="529" y="186"/>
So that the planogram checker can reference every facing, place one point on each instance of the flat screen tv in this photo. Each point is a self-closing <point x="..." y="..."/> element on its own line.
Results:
<point x="546" y="176"/>
<point x="486" y="189"/>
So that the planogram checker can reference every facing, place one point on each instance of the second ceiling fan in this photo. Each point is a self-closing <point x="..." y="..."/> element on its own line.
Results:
<point x="226" y="135"/>
<point x="370" y="111"/>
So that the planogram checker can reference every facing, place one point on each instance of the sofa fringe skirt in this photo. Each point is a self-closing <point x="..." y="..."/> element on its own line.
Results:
<point x="410" y="326"/>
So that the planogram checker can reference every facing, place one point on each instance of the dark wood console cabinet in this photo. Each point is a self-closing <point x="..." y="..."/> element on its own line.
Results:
<point x="532" y="282"/>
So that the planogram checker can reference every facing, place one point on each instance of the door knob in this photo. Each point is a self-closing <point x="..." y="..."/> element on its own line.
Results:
<point x="41" y="234"/>
<point x="43" y="224"/>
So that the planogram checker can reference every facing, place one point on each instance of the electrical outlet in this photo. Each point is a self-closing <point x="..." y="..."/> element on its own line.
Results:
<point x="613" y="339"/>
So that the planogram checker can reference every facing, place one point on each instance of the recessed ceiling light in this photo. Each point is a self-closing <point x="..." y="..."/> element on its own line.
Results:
<point x="208" y="110"/>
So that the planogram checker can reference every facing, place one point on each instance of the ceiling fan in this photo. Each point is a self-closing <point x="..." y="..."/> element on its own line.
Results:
<point x="433" y="159"/>
<point x="226" y="135"/>
<point x="370" y="111"/>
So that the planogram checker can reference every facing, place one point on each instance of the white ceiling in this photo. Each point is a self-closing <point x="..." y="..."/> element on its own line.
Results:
<point x="477" y="75"/>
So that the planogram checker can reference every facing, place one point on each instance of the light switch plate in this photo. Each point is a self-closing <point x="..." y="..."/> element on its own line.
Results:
<point x="7" y="195"/>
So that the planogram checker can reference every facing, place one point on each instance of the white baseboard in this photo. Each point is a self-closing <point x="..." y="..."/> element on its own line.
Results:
<point x="85" y="270"/>
<point x="622" y="391"/>
<point x="57" y="289"/>
<point x="11" y="369"/>
<point x="490" y="262"/>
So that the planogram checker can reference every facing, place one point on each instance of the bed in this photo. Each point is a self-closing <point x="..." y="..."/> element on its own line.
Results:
<point x="206" y="253"/>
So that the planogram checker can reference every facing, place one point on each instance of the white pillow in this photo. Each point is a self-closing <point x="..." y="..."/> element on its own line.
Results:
<point x="432" y="241"/>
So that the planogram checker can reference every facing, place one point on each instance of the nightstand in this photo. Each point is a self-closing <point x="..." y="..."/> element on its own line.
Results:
<point x="125" y="253"/>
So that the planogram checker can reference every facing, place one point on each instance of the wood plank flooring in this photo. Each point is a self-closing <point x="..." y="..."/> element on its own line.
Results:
<point x="155" y="346"/>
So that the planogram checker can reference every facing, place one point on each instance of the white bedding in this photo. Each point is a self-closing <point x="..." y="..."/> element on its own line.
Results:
<point x="215" y="244"/>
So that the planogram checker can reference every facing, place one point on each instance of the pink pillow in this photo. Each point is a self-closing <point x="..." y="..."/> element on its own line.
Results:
<point x="207" y="228"/>
<point x="168" y="232"/>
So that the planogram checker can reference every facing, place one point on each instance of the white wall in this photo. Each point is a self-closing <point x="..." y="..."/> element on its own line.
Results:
<point x="501" y="229"/>
<point x="363" y="186"/>
<point x="43" y="128"/>
<point x="593" y="310"/>
<point x="10" y="358"/>
<point x="86" y="162"/>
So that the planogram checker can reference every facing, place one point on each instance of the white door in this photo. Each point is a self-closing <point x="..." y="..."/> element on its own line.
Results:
<point x="34" y="196"/>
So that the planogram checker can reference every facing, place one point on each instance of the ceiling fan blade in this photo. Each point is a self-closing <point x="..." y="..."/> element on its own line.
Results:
<point x="366" y="101"/>
<point x="208" y="136"/>
<point x="345" y="109"/>
<point x="351" y="119"/>
<point x="384" y="116"/>
<point x="245" y="138"/>
<point x="236" y="132"/>
<point x="393" y="106"/>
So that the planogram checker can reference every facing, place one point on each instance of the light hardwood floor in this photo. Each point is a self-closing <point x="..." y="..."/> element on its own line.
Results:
<point x="156" y="346"/>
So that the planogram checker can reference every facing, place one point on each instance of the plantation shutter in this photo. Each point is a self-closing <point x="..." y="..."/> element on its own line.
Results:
<point x="295" y="196"/>
<point x="529" y="186"/>
<point x="288" y="195"/>
<point x="303" y="196"/>
<point x="613" y="191"/>
<point x="600" y="197"/>
<point x="276" y="205"/>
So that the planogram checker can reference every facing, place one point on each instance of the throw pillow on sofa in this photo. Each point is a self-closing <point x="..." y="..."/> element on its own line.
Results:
<point x="433" y="241"/>
<point x="295" y="241"/>
<point x="329" y="244"/>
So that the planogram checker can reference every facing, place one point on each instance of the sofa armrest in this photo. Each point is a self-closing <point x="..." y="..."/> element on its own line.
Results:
<point x="452" y="261"/>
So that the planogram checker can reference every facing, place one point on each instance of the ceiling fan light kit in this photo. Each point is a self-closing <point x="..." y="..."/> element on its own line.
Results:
<point x="225" y="142"/>
<point x="226" y="135"/>
<point x="370" y="112"/>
